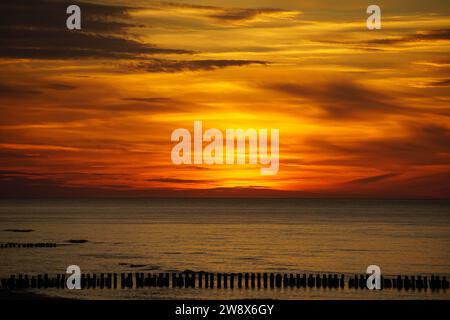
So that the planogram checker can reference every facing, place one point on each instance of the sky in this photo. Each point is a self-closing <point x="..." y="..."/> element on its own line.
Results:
<point x="90" y="112"/>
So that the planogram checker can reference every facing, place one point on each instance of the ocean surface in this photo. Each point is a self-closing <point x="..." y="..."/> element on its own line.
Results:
<point x="403" y="237"/>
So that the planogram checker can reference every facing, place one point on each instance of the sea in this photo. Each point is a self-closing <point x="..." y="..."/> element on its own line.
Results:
<point x="343" y="236"/>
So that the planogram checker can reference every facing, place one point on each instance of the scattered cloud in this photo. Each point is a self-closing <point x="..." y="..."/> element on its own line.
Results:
<point x="373" y="179"/>
<point x="179" y="181"/>
<point x="420" y="36"/>
<point x="341" y="99"/>
<point x="162" y="65"/>
<point x="25" y="34"/>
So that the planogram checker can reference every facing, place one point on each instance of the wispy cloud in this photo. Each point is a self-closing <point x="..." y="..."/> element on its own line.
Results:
<point x="24" y="32"/>
<point x="162" y="65"/>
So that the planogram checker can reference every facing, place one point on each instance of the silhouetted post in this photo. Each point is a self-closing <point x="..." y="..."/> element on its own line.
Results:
<point x="342" y="281"/>
<point x="139" y="280"/>
<point x="258" y="280"/>
<point x="335" y="281"/>
<point x="200" y="279"/>
<point x="303" y="281"/>
<point x="20" y="281"/>
<point x="190" y="280"/>
<point x="225" y="280"/>
<point x="27" y="281"/>
<point x="58" y="281"/>
<point x="311" y="281"/>
<point x="40" y="283"/>
<point x="406" y="283"/>
<point x="252" y="280"/>
<point x="187" y="279"/>
<point x="46" y="281"/>
<point x="362" y="282"/>
<point x="278" y="280"/>
<point x="387" y="283"/>
<point x="413" y="282"/>
<point x="425" y="282"/>
<point x="292" y="280"/>
<point x="206" y="280"/>
<point x="445" y="283"/>
<point x="351" y="283"/>
<point x="272" y="280"/>
<point x="115" y="281"/>
<point x="232" y="280"/>
<point x="324" y="281"/>
<point x="175" y="280"/>
<point x="109" y="281"/>
<point x="130" y="280"/>
<point x="438" y="283"/>
<point x="246" y="276"/>
<point x="211" y="280"/>
<point x="399" y="283"/>
<point x="318" y="281"/>
<point x="239" y="280"/>
<point x="285" y="280"/>
<point x="219" y="280"/>
<point x="419" y="283"/>
<point x="265" y="280"/>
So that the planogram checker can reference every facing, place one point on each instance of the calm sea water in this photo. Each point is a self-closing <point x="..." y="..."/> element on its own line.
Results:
<point x="232" y="235"/>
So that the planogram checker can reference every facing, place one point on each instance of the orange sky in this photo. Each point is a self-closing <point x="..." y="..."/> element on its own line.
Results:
<point x="90" y="113"/>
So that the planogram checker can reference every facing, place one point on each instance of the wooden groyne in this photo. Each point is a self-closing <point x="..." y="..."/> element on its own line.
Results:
<point x="224" y="281"/>
<point x="13" y="245"/>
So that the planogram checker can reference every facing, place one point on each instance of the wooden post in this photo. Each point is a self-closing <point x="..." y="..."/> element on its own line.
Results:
<point x="211" y="280"/>
<point x="232" y="281"/>
<point x="278" y="280"/>
<point x="219" y="280"/>
<point x="200" y="279"/>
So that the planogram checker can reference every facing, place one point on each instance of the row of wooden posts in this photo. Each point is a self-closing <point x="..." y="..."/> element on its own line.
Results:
<point x="223" y="281"/>
<point x="11" y="245"/>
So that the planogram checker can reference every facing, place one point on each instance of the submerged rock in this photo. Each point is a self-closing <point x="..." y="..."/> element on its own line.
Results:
<point x="77" y="241"/>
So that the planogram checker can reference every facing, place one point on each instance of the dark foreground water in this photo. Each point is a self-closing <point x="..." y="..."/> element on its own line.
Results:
<point x="233" y="235"/>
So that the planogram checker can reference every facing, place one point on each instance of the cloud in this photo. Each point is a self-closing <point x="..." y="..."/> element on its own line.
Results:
<point x="163" y="65"/>
<point x="377" y="44"/>
<point x="61" y="86"/>
<point x="419" y="145"/>
<point x="373" y="179"/>
<point x="226" y="14"/>
<point x="420" y="36"/>
<point x="178" y="181"/>
<point x="439" y="83"/>
<point x="150" y="100"/>
<point x="341" y="99"/>
<point x="12" y="90"/>
<point x="36" y="29"/>
<point x="51" y="14"/>
<point x="239" y="14"/>
<point x="62" y="44"/>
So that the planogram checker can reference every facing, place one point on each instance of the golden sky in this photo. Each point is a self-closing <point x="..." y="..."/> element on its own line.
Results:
<point x="90" y="112"/>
